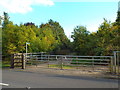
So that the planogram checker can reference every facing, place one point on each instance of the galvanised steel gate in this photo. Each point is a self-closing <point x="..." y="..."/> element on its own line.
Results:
<point x="96" y="63"/>
<point x="116" y="62"/>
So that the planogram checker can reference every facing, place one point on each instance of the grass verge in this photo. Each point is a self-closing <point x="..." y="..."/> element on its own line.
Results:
<point x="4" y="64"/>
<point x="63" y="66"/>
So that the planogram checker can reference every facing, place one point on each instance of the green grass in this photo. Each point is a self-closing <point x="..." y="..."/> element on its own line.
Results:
<point x="85" y="62"/>
<point x="4" y="64"/>
<point x="35" y="62"/>
<point x="0" y="64"/>
<point x="82" y="62"/>
<point x="64" y="66"/>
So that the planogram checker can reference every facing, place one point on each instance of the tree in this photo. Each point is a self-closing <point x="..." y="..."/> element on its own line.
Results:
<point x="81" y="39"/>
<point x="59" y="34"/>
<point x="8" y="39"/>
<point x="118" y="18"/>
<point x="0" y="40"/>
<point x="6" y="19"/>
<point x="104" y="36"/>
<point x="47" y="39"/>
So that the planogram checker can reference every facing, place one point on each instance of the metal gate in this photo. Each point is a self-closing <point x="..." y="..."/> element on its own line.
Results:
<point x="116" y="62"/>
<point x="95" y="63"/>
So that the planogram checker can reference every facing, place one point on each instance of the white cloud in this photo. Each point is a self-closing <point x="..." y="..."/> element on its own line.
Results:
<point x="85" y="0"/>
<point x="21" y="6"/>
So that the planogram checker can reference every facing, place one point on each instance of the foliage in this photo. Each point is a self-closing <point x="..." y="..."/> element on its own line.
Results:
<point x="102" y="42"/>
<point x="81" y="39"/>
<point x="46" y="38"/>
<point x="50" y="37"/>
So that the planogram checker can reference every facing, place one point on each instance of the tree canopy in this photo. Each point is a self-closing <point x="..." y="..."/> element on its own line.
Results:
<point x="50" y="37"/>
<point x="102" y="42"/>
<point x="46" y="38"/>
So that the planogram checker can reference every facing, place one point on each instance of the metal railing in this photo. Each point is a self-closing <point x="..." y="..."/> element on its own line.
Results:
<point x="62" y="61"/>
<point x="103" y="63"/>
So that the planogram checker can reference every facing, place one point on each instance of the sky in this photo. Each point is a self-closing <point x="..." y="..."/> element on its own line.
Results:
<point x="69" y="13"/>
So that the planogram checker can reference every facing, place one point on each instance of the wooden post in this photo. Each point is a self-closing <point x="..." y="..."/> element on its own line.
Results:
<point x="12" y="61"/>
<point x="115" y="62"/>
<point x="23" y="61"/>
<point x="111" y="65"/>
<point x="93" y="63"/>
<point x="36" y="61"/>
<point x="48" y="61"/>
<point x="61" y="62"/>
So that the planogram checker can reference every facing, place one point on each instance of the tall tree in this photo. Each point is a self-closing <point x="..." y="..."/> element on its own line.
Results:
<point x="6" y="19"/>
<point x="81" y="38"/>
<point x="118" y="18"/>
<point x="104" y="36"/>
<point x="59" y="34"/>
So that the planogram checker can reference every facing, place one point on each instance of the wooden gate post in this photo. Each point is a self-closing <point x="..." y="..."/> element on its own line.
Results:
<point x="23" y="61"/>
<point x="111" y="65"/>
<point x="93" y="63"/>
<point x="61" y="62"/>
<point x="115" y="63"/>
<point x="48" y="60"/>
<point x="12" y="61"/>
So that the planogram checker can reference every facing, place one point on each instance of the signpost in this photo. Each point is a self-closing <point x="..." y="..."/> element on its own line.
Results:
<point x="26" y="51"/>
<point x="26" y="47"/>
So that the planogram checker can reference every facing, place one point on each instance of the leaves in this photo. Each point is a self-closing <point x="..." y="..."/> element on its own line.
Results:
<point x="50" y="37"/>
<point x="45" y="38"/>
<point x="102" y="42"/>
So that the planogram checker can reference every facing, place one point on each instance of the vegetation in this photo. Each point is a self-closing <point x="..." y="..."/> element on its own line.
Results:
<point x="102" y="42"/>
<point x="62" y="67"/>
<point x="50" y="38"/>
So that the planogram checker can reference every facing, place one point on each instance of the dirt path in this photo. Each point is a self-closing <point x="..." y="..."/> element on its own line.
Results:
<point x="71" y="72"/>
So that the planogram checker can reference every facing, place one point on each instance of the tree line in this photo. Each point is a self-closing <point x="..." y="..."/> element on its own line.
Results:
<point x="103" y="42"/>
<point x="50" y="38"/>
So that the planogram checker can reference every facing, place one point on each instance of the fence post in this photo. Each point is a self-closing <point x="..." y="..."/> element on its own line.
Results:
<point x="12" y="61"/>
<point x="93" y="63"/>
<point x="56" y="57"/>
<point x="36" y="61"/>
<point x="61" y="62"/>
<point x="115" y="62"/>
<point x="48" y="61"/>
<point x="23" y="61"/>
<point x="111" y="65"/>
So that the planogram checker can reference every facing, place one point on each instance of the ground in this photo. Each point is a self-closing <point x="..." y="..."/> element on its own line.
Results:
<point x="72" y="72"/>
<point x="52" y="78"/>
